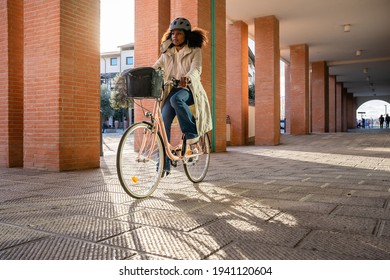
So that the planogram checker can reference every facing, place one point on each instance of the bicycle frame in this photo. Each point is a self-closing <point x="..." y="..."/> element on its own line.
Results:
<point x="158" y="126"/>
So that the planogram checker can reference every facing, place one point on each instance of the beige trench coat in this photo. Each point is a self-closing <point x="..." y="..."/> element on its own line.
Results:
<point x="192" y="65"/>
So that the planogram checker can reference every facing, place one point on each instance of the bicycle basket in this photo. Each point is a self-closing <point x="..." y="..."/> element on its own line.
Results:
<point x="144" y="82"/>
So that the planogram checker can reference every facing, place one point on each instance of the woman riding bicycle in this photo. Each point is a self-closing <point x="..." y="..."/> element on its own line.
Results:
<point x="181" y="60"/>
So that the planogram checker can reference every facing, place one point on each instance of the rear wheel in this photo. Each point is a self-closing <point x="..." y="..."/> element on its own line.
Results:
<point x="196" y="167"/>
<point x="139" y="171"/>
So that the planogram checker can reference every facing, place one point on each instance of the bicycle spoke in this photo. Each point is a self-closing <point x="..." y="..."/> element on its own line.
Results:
<point x="196" y="167"/>
<point x="140" y="160"/>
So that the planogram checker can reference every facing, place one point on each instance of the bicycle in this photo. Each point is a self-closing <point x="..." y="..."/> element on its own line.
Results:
<point x="144" y="146"/>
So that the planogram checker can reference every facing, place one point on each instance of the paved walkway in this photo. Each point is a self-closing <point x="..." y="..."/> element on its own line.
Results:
<point x="323" y="196"/>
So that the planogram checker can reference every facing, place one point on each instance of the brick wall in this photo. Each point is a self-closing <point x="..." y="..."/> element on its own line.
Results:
<point x="62" y="92"/>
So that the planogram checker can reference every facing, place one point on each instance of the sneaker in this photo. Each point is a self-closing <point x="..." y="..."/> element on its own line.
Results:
<point x="165" y="173"/>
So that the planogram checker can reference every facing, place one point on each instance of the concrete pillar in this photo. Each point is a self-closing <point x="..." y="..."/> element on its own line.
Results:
<point x="11" y="91"/>
<point x="319" y="97"/>
<point x="267" y="81"/>
<point x="287" y="92"/>
<point x="339" y="107"/>
<point x="61" y="89"/>
<point x="332" y="103"/>
<point x="199" y="14"/>
<point x="237" y="82"/>
<point x="299" y="67"/>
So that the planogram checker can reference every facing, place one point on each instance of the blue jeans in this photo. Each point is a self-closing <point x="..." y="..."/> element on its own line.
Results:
<point x="177" y="104"/>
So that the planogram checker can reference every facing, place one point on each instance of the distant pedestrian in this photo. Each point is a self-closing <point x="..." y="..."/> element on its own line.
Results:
<point x="381" y="120"/>
<point x="387" y="120"/>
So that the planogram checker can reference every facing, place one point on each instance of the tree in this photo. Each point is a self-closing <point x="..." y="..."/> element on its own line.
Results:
<point x="251" y="93"/>
<point x="105" y="106"/>
<point x="119" y="98"/>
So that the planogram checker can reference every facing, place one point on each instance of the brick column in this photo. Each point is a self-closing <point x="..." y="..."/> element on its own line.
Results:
<point x="351" y="109"/>
<point x="287" y="100"/>
<point x="339" y="107"/>
<point x="11" y="91"/>
<point x="319" y="97"/>
<point x="198" y="12"/>
<point x="61" y="89"/>
<point x="344" y="113"/>
<point x="267" y="80"/>
<point x="332" y="103"/>
<point x="237" y="82"/>
<point x="299" y="69"/>
<point x="152" y="17"/>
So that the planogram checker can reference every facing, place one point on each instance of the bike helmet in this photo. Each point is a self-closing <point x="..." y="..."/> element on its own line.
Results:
<point x="180" y="23"/>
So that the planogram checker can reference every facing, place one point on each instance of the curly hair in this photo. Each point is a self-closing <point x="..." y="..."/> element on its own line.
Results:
<point x="196" y="38"/>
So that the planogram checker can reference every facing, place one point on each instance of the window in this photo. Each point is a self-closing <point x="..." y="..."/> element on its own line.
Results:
<point x="114" y="61"/>
<point x="129" y="60"/>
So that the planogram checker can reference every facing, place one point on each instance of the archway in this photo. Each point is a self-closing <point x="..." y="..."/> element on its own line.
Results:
<point x="370" y="111"/>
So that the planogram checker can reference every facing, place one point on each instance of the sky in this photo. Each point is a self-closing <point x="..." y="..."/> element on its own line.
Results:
<point x="117" y="28"/>
<point x="116" y="24"/>
<point x="373" y="109"/>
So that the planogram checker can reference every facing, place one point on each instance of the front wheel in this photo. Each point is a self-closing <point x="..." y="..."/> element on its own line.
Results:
<point x="140" y="160"/>
<point x="196" y="167"/>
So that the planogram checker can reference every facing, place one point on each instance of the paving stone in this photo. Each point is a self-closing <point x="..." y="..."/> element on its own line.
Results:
<point x="100" y="209"/>
<point x="327" y="222"/>
<point x="249" y="250"/>
<point x="87" y="228"/>
<point x="146" y="257"/>
<point x="167" y="219"/>
<point x="286" y="205"/>
<point x="226" y="211"/>
<point x="7" y="195"/>
<point x="238" y="229"/>
<point x="25" y="186"/>
<point x="367" y="247"/>
<point x="384" y="228"/>
<point x="324" y="188"/>
<point x="39" y="202"/>
<point x="57" y="191"/>
<point x="274" y="194"/>
<point x="110" y="197"/>
<point x="11" y="236"/>
<point x="372" y="194"/>
<point x="181" y="203"/>
<point x="109" y="186"/>
<point x="264" y="185"/>
<point x="347" y="200"/>
<point x="361" y="211"/>
<point x="32" y="218"/>
<point x="169" y="243"/>
<point x="58" y="248"/>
